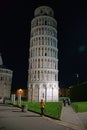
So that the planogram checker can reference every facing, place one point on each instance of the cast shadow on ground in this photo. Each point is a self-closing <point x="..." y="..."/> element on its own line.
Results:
<point x="31" y="116"/>
<point x="16" y="111"/>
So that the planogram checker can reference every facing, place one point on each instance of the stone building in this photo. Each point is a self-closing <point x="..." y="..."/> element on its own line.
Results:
<point x="43" y="57"/>
<point x="5" y="80"/>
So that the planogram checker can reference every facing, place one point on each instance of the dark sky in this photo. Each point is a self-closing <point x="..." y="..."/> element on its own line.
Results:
<point x="15" y="20"/>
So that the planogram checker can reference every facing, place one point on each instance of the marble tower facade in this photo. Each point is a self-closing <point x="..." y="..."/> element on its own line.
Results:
<point x="43" y="57"/>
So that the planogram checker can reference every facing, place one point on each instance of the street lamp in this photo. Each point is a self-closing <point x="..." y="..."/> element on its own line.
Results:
<point x="20" y="91"/>
<point x="77" y="76"/>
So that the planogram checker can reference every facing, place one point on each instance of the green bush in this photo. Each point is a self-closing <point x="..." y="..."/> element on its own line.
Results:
<point x="78" y="92"/>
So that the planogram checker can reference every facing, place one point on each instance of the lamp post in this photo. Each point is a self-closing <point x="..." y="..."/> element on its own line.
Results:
<point x="77" y="77"/>
<point x="19" y="92"/>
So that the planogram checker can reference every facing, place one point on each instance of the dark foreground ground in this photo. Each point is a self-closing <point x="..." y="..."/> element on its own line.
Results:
<point x="12" y="118"/>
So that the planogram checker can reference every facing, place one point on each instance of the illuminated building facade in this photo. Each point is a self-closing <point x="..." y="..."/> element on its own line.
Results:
<point x="43" y="57"/>
<point x="5" y="80"/>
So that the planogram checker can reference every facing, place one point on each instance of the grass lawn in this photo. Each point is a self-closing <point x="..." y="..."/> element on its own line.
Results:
<point x="52" y="109"/>
<point x="79" y="106"/>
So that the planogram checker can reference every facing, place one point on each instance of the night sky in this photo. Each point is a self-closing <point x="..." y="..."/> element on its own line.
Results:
<point x="15" y="22"/>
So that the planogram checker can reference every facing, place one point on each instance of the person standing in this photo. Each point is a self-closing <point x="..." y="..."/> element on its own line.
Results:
<point x="42" y="106"/>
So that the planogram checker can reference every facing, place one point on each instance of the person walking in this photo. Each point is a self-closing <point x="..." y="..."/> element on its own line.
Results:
<point x="69" y="102"/>
<point x="64" y="102"/>
<point x="42" y="106"/>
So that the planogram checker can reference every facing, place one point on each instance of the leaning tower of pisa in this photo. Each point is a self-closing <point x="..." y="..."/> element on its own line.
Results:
<point x="43" y="57"/>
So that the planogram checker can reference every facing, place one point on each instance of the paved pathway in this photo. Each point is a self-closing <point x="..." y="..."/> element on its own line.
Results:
<point x="78" y="120"/>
